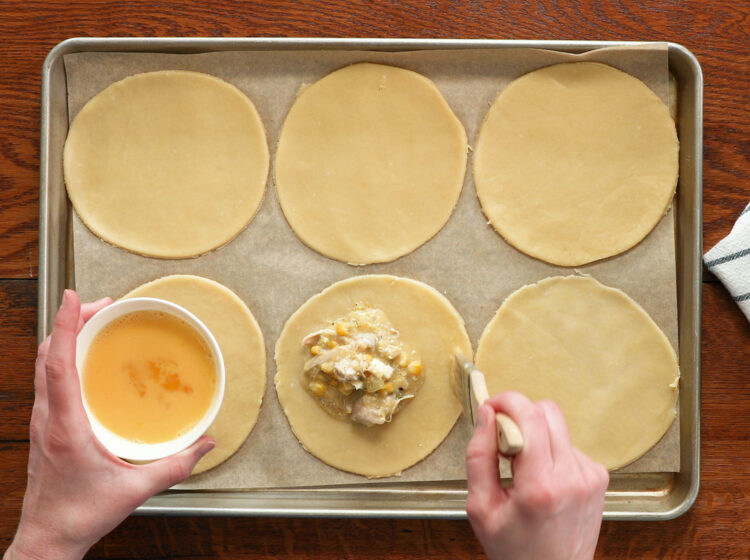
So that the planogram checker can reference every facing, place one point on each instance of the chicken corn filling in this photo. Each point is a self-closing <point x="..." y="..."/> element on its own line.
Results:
<point x="359" y="369"/>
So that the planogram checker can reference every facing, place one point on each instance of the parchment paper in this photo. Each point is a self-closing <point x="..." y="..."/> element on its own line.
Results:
<point x="275" y="273"/>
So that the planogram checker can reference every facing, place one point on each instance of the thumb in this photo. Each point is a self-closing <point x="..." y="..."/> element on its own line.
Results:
<point x="167" y="472"/>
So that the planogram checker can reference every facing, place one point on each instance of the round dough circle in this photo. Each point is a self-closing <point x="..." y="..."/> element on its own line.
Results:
<point x="370" y="163"/>
<point x="576" y="162"/>
<point x="595" y="352"/>
<point x="243" y="349"/>
<point x="428" y="323"/>
<point x="167" y="164"/>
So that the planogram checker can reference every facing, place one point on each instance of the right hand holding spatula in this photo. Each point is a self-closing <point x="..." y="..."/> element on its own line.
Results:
<point x="554" y="508"/>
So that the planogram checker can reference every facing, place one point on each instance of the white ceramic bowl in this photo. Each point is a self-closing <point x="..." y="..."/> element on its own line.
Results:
<point x="126" y="448"/>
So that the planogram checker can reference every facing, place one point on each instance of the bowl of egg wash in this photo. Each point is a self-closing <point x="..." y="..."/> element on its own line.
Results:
<point x="152" y="377"/>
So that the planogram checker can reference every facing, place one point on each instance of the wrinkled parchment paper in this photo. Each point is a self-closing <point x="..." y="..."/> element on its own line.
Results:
<point x="274" y="273"/>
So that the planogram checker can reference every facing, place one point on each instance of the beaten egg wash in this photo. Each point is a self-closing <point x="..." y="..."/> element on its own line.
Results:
<point x="149" y="377"/>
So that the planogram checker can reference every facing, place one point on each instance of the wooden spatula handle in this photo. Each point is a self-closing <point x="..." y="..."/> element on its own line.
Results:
<point x="509" y="438"/>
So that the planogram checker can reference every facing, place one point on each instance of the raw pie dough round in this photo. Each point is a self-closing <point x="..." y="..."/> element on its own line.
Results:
<point x="167" y="164"/>
<point x="428" y="323"/>
<point x="576" y="162"/>
<point x="370" y="163"/>
<point x="243" y="349"/>
<point x="596" y="353"/>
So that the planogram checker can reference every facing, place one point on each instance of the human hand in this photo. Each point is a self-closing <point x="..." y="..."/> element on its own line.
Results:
<point x="554" y="508"/>
<point x="77" y="491"/>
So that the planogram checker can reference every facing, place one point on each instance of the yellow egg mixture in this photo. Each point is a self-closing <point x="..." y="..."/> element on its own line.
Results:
<point x="149" y="377"/>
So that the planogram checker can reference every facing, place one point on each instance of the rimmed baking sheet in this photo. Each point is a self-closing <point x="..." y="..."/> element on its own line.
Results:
<point x="427" y="264"/>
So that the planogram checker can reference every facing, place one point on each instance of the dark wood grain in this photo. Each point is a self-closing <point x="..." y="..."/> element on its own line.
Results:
<point x="715" y="30"/>
<point x="17" y="353"/>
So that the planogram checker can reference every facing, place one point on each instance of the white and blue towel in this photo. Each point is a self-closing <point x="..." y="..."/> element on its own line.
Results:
<point x="729" y="261"/>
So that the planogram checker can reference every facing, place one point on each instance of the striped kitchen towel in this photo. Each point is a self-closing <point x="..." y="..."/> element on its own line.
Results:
<point x="729" y="260"/>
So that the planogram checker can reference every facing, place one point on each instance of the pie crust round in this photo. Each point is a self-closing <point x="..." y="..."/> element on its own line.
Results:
<point x="595" y="352"/>
<point x="576" y="162"/>
<point x="167" y="164"/>
<point x="370" y="163"/>
<point x="428" y="323"/>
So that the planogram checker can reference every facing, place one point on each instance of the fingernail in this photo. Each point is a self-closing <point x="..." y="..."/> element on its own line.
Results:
<point x="206" y="447"/>
<point x="66" y="297"/>
<point x="482" y="417"/>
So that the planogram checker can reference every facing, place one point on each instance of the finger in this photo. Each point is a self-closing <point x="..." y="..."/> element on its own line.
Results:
<point x="40" y="410"/>
<point x="485" y="489"/>
<point x="167" y="472"/>
<point x="63" y="388"/>
<point x="596" y="480"/>
<point x="561" y="448"/>
<point x="595" y="473"/>
<point x="40" y="373"/>
<point x="535" y="457"/>
<point x="88" y="310"/>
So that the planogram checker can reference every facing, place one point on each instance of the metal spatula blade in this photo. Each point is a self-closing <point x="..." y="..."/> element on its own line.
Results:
<point x="470" y="387"/>
<point x="461" y="380"/>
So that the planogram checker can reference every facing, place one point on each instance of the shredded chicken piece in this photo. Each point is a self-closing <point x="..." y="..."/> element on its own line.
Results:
<point x="312" y="338"/>
<point x="350" y="369"/>
<point x="370" y="410"/>
<point x="366" y="341"/>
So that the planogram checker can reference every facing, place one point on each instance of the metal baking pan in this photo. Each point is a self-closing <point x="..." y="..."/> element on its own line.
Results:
<point x="656" y="496"/>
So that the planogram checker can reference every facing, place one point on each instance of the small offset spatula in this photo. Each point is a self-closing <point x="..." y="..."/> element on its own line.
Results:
<point x="471" y="389"/>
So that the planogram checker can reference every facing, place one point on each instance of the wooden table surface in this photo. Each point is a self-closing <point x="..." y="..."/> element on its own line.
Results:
<point x="718" y="526"/>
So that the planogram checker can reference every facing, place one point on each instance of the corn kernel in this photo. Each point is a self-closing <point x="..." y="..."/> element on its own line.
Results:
<point x="315" y="350"/>
<point x="402" y="361"/>
<point x="331" y="344"/>
<point x="341" y="329"/>
<point x="387" y="389"/>
<point x="333" y="383"/>
<point x="318" y="389"/>
<point x="326" y="367"/>
<point x="346" y="388"/>
<point x="415" y="368"/>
